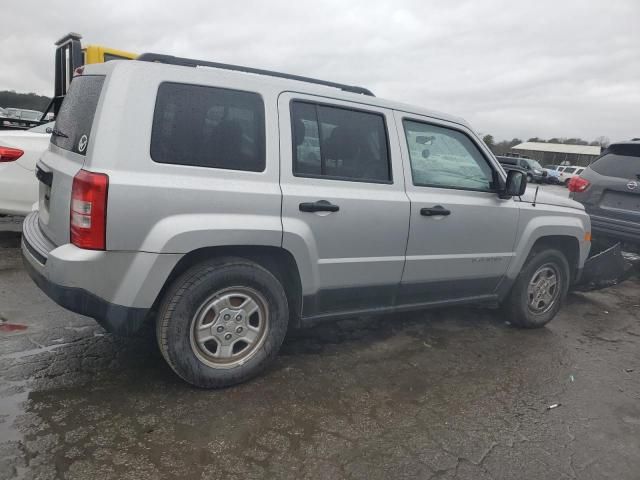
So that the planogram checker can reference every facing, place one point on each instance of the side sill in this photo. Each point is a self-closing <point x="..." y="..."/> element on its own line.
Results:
<point x="315" y="319"/>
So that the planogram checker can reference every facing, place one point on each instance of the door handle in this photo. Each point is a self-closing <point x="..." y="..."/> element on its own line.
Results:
<point x="433" y="211"/>
<point x="319" y="206"/>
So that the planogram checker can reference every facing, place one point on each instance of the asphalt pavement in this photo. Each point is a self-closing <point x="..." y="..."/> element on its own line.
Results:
<point x="448" y="393"/>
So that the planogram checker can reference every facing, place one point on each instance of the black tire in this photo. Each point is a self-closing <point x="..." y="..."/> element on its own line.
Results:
<point x="188" y="295"/>
<point x="517" y="305"/>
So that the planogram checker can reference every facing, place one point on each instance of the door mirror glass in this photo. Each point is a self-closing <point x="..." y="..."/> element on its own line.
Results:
<point x="515" y="185"/>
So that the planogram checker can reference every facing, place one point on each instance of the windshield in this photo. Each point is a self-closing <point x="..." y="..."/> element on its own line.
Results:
<point x="42" y="128"/>
<point x="29" y="115"/>
<point x="533" y="164"/>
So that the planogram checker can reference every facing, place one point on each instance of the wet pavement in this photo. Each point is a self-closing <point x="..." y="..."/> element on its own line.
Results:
<point x="451" y="393"/>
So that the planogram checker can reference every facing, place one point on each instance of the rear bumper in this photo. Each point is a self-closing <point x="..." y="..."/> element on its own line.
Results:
<point x="113" y="318"/>
<point x="117" y="289"/>
<point x="615" y="229"/>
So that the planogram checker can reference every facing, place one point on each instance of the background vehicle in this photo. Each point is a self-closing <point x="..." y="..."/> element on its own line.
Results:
<point x="71" y="55"/>
<point x="553" y="175"/>
<point x="534" y="171"/>
<point x="21" y="118"/>
<point x="251" y="205"/>
<point x="568" y="172"/>
<point x="19" y="152"/>
<point x="609" y="189"/>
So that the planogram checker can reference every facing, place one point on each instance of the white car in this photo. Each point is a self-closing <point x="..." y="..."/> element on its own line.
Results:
<point x="568" y="172"/>
<point x="19" y="152"/>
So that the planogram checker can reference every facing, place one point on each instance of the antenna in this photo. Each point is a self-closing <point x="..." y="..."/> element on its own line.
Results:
<point x="535" y="196"/>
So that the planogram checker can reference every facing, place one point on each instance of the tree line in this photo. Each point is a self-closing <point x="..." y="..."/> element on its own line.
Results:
<point x="29" y="101"/>
<point x="500" y="148"/>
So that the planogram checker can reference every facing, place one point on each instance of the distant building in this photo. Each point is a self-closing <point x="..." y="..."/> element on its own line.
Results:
<point x="558" y="153"/>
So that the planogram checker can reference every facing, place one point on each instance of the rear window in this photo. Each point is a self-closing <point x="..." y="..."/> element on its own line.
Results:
<point x="208" y="127"/>
<point x="75" y="117"/>
<point x="621" y="166"/>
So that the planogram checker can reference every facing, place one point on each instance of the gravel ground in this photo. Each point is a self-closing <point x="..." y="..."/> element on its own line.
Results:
<point x="449" y="393"/>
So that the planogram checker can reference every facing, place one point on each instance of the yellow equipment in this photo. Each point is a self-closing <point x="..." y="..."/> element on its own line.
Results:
<point x="70" y="54"/>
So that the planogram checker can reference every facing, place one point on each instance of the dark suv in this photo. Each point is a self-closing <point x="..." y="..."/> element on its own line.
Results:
<point x="534" y="171"/>
<point x="609" y="189"/>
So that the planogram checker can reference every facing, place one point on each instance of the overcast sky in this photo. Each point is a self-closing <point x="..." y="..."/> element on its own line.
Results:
<point x="512" y="68"/>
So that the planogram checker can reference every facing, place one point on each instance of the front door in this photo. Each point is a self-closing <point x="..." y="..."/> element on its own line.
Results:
<point x="462" y="234"/>
<point x="344" y="208"/>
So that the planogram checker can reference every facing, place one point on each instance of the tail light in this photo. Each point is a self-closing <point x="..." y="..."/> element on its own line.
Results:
<point x="89" y="210"/>
<point x="8" y="154"/>
<point x="578" y="184"/>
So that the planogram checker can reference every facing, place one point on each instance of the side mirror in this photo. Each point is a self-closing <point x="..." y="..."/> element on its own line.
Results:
<point x="515" y="185"/>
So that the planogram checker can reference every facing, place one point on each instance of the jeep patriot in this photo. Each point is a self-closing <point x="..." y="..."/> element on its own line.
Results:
<point x="229" y="204"/>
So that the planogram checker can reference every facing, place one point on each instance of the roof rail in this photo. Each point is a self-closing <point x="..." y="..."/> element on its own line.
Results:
<point x="189" y="62"/>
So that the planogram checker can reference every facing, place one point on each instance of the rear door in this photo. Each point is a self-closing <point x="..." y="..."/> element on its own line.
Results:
<point x="614" y="193"/>
<point x="344" y="207"/>
<point x="70" y="143"/>
<point x="462" y="234"/>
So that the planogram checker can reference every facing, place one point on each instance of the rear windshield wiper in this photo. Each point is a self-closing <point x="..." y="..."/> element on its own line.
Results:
<point x="58" y="133"/>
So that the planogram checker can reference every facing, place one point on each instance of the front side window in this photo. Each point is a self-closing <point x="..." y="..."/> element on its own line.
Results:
<point x="339" y="143"/>
<point x="208" y="127"/>
<point x="445" y="158"/>
<point x="569" y="170"/>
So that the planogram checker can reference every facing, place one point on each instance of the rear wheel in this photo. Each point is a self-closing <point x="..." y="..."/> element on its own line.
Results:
<point x="539" y="290"/>
<point x="222" y="322"/>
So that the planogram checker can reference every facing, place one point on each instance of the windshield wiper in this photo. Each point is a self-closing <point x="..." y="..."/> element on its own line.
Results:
<point x="58" y="133"/>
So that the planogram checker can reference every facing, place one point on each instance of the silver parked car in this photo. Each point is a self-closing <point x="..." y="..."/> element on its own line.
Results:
<point x="232" y="205"/>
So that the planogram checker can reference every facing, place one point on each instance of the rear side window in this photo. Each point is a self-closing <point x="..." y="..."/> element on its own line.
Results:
<point x="569" y="170"/>
<point x="339" y="143"/>
<point x="208" y="127"/>
<point x="75" y="118"/>
<point x="621" y="166"/>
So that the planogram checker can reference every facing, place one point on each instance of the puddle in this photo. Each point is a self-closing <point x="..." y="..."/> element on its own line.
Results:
<point x="33" y="351"/>
<point x="12" y="399"/>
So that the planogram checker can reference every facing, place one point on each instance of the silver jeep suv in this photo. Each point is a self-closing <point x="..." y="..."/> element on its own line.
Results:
<point x="228" y="204"/>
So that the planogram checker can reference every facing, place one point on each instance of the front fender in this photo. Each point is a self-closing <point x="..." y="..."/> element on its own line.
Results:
<point x="535" y="228"/>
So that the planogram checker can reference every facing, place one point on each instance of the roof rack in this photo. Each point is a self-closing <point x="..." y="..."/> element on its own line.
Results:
<point x="189" y="62"/>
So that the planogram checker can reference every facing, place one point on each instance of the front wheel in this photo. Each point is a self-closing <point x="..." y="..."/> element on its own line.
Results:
<point x="222" y="322"/>
<point x="539" y="290"/>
